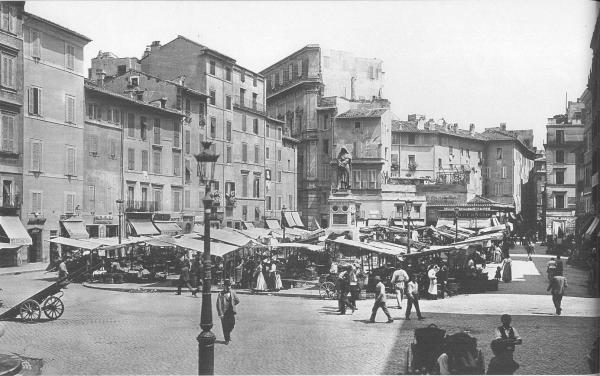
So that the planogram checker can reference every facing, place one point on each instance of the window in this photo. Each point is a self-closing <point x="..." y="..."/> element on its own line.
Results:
<point x="244" y="212"/>
<point x="255" y="126"/>
<point x="560" y="156"/>
<point x="439" y="163"/>
<point x="186" y="200"/>
<point x="396" y="137"/>
<point x="256" y="154"/>
<point x="156" y="161"/>
<point x="290" y="202"/>
<point x="498" y="189"/>
<point x="213" y="127"/>
<point x="503" y="172"/>
<point x="254" y="81"/>
<point x="8" y="133"/>
<point x="91" y="197"/>
<point x="228" y="130"/>
<point x="130" y="159"/>
<point x="326" y="146"/>
<point x="228" y="154"/>
<point x="356" y="178"/>
<point x="256" y="187"/>
<point x="279" y="155"/>
<point x="228" y="102"/>
<point x="267" y="153"/>
<point x="36" y="155"/>
<point x="278" y="202"/>
<point x="411" y="139"/>
<point x="411" y="161"/>
<point x="468" y="153"/>
<point x="244" y="123"/>
<point x="212" y="67"/>
<point x="272" y="81"/>
<point x="177" y="164"/>
<point x="560" y="177"/>
<point x="187" y="142"/>
<point x="93" y="145"/>
<point x="372" y="179"/>
<point x="244" y="152"/>
<point x="36" y="43"/>
<point x="35" y="101"/>
<point x="244" y="185"/>
<point x="560" y="136"/>
<point x="9" y="70"/>
<point x="176" y="200"/>
<point x="279" y="133"/>
<point x="130" y="125"/>
<point x="70" y="57"/>
<point x="8" y="17"/>
<point x="176" y="134"/>
<point x="267" y="130"/>
<point x="158" y="199"/>
<point x="70" y="158"/>
<point x="227" y="73"/>
<point x="462" y="152"/>
<point x="36" y="202"/>
<point x="451" y="150"/>
<point x="498" y="153"/>
<point x="243" y="75"/>
<point x="325" y="122"/>
<point x="357" y="127"/>
<point x="213" y="97"/>
<point x="279" y="176"/>
<point x="157" y="131"/>
<point x="300" y="68"/>
<point x="559" y="201"/>
<point x="145" y="160"/>
<point x="268" y="203"/>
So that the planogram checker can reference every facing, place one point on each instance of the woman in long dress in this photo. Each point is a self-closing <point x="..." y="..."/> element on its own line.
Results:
<point x="432" y="274"/>
<point x="261" y="285"/>
<point x="507" y="269"/>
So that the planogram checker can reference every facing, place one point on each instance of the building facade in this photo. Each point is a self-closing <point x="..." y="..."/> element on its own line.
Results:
<point x="563" y="134"/>
<point x="303" y="90"/>
<point x="53" y="132"/>
<point x="594" y="88"/>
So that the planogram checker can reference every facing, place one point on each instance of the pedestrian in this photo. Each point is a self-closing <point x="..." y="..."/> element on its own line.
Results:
<point x="502" y="363"/>
<point x="506" y="331"/>
<point x="196" y="270"/>
<point x="498" y="275"/>
<point x="62" y="270"/>
<point x="399" y="280"/>
<point x="380" y="300"/>
<point x="559" y="266"/>
<point x="184" y="279"/>
<point x="442" y="276"/>
<point x="412" y="295"/>
<point x="272" y="283"/>
<point x="344" y="289"/>
<point x="507" y="269"/>
<point x="557" y="287"/>
<point x="353" y="285"/>
<point x="238" y="273"/>
<point x="551" y="269"/>
<point x="226" y="302"/>
<point x="497" y="254"/>
<point x="528" y="247"/>
<point x="259" y="279"/>
<point x="432" y="275"/>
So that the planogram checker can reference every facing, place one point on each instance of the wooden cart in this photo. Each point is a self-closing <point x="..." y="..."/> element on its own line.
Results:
<point x="47" y="300"/>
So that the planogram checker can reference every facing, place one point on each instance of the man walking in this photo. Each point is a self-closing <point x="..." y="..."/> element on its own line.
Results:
<point x="380" y="300"/>
<point x="226" y="302"/>
<point x="399" y="279"/>
<point x="353" y="282"/>
<point x="344" y="286"/>
<point x="557" y="287"/>
<point x="412" y="295"/>
<point x="184" y="279"/>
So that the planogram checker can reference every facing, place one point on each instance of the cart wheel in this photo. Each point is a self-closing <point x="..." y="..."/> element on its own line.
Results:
<point x="53" y="308"/>
<point x="409" y="361"/>
<point x="327" y="290"/>
<point x="30" y="310"/>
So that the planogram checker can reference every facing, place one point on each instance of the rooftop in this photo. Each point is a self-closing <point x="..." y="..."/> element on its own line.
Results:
<point x="431" y="127"/>
<point x="31" y="15"/>
<point x="363" y="113"/>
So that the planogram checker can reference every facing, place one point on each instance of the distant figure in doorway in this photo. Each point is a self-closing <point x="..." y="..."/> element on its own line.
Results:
<point x="226" y="302"/>
<point x="507" y="269"/>
<point x="344" y="161"/>
<point x="557" y="287"/>
<point x="380" y="300"/>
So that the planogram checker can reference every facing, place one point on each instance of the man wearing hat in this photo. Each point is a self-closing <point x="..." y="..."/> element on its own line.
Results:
<point x="380" y="299"/>
<point x="226" y="302"/>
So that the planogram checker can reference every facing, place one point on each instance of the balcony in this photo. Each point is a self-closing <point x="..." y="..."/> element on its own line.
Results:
<point x="142" y="206"/>
<point x="252" y="106"/>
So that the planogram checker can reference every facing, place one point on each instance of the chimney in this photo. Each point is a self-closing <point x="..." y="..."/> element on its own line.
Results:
<point x="146" y="52"/>
<point x="163" y="102"/>
<point x="503" y="126"/>
<point x="155" y="46"/>
<point x="472" y="129"/>
<point x="421" y="124"/>
<point x="455" y="127"/>
<point x="352" y="88"/>
<point x="412" y="117"/>
<point x="100" y="75"/>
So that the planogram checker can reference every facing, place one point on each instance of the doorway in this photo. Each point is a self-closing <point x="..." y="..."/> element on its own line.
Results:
<point x="34" y="251"/>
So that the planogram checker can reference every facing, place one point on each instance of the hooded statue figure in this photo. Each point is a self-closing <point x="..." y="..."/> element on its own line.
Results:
<point x="344" y="161"/>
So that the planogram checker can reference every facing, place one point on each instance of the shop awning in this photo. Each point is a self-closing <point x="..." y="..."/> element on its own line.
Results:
<point x="141" y="227"/>
<point x="370" y="247"/>
<point x="249" y="225"/>
<point x="76" y="243"/>
<point x="168" y="228"/>
<point x="8" y="246"/>
<point x="75" y="229"/>
<point x="488" y="230"/>
<point x="592" y="227"/>
<point x="272" y="224"/>
<point x="190" y="242"/>
<point x="482" y="238"/>
<point x="297" y="219"/>
<point x="293" y="219"/>
<point x="310" y="247"/>
<point x="229" y="236"/>
<point x="14" y="230"/>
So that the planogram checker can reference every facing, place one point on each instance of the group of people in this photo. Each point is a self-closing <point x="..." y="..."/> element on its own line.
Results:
<point x="266" y="277"/>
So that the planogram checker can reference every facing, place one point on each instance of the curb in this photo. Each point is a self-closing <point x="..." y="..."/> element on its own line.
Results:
<point x="139" y="289"/>
<point x="22" y="271"/>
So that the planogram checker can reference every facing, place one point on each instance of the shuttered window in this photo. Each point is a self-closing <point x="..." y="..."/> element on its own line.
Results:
<point x="70" y="168"/>
<point x="35" y="100"/>
<point x="70" y="57"/>
<point x="36" y="43"/>
<point x="8" y="70"/>
<point x="8" y="133"/>
<point x="145" y="160"/>
<point x="70" y="109"/>
<point x="36" y="155"/>
<point x="130" y="159"/>
<point x="36" y="202"/>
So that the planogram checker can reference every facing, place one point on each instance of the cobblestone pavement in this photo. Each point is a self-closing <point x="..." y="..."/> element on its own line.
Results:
<point x="105" y="332"/>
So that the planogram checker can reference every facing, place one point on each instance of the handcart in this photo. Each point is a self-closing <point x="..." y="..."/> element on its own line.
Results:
<point x="47" y="300"/>
<point x="431" y="342"/>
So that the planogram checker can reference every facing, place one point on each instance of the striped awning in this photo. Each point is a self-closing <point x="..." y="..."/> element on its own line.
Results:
<point x="75" y="229"/>
<point x="14" y="231"/>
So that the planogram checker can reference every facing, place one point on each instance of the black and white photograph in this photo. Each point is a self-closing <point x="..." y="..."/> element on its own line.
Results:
<point x="300" y="187"/>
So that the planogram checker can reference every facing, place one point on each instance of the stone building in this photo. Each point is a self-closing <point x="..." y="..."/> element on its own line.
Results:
<point x="13" y="238"/>
<point x="304" y="90"/>
<point x="583" y="161"/>
<point x="257" y="167"/>
<point x="563" y="134"/>
<point x="539" y="179"/>
<point x="53" y="132"/>
<point x="111" y="65"/>
<point x="594" y="88"/>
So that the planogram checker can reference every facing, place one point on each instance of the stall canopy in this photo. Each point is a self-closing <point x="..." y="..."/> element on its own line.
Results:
<point x="13" y="229"/>
<point x="272" y="224"/>
<point x="75" y="228"/>
<point x="487" y="230"/>
<point x="196" y="244"/>
<point x="229" y="236"/>
<point x="168" y="228"/>
<point x="482" y="238"/>
<point x="593" y="226"/>
<point x="310" y="247"/>
<point x="293" y="219"/>
<point x="376" y="247"/>
<point x="77" y="243"/>
<point x="143" y="227"/>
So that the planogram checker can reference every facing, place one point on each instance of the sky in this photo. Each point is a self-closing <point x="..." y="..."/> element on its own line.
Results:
<point x="479" y="61"/>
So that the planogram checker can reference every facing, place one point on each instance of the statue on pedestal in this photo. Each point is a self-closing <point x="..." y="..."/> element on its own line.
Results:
<point x="344" y="161"/>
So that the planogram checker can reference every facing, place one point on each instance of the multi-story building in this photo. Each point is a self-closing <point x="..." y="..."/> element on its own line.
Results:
<point x="538" y="176"/>
<point x="53" y="133"/>
<point x="563" y="134"/>
<point x="13" y="238"/>
<point x="583" y="162"/>
<point x="301" y="91"/>
<point x="509" y="159"/>
<point x="111" y="65"/>
<point x="594" y="88"/>
<point x="256" y="169"/>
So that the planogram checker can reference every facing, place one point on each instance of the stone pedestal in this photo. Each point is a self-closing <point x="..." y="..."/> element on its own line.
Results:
<point x="342" y="213"/>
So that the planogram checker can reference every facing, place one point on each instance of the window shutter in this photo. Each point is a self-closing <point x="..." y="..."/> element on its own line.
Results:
<point x="35" y="43"/>
<point x="71" y="110"/>
<point x="39" y="101"/>
<point x="36" y="156"/>
<point x="30" y="99"/>
<point x="5" y="133"/>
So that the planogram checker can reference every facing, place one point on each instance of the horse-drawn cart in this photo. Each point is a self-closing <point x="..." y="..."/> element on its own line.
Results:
<point x="47" y="300"/>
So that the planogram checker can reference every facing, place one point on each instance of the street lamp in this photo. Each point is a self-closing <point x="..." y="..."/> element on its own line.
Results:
<point x="408" y="205"/>
<point x="282" y="226"/>
<point x="206" y="339"/>
<point x="120" y="205"/>
<point x="456" y="224"/>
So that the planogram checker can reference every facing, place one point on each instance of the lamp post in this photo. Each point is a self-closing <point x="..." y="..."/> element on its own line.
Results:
<point x="120" y="205"/>
<point x="456" y="224"/>
<point x="206" y="339"/>
<point x="408" y="205"/>
<point x="282" y="226"/>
